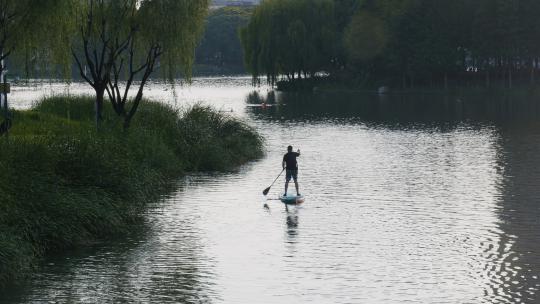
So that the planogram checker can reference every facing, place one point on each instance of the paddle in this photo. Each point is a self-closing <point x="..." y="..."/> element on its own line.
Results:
<point x="265" y="192"/>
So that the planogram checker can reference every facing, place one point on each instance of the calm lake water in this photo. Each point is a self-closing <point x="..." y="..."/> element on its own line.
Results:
<point x="409" y="199"/>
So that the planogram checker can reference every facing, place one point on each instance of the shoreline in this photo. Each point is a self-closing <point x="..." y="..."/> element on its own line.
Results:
<point x="330" y="87"/>
<point x="65" y="185"/>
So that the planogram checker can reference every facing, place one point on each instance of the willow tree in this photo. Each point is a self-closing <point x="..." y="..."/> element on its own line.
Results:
<point x="123" y="42"/>
<point x="220" y="45"/>
<point x="35" y="32"/>
<point x="366" y="37"/>
<point x="105" y="30"/>
<point x="293" y="38"/>
<point x="13" y="17"/>
<point x="167" y="33"/>
<point x="33" y="35"/>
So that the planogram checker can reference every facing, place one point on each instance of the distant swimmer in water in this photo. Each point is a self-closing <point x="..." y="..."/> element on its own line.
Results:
<point x="291" y="165"/>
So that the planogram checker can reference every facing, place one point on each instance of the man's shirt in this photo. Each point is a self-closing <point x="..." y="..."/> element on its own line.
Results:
<point x="290" y="160"/>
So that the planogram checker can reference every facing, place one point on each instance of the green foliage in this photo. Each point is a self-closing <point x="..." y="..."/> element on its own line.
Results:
<point x="35" y="35"/>
<point x="175" y="25"/>
<point x="215" y="141"/>
<point x="131" y="39"/>
<point x="42" y="33"/>
<point x="366" y="37"/>
<point x="220" y="45"/>
<point x="430" y="41"/>
<point x="64" y="184"/>
<point x="290" y="37"/>
<point x="396" y="42"/>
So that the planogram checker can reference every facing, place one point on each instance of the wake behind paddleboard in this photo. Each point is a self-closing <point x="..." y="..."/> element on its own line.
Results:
<point x="291" y="199"/>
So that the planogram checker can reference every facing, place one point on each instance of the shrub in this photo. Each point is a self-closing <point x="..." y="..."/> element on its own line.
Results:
<point x="63" y="183"/>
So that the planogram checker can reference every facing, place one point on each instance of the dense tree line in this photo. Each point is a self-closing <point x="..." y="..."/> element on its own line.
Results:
<point x="396" y="42"/>
<point x="220" y="45"/>
<point x="291" y="38"/>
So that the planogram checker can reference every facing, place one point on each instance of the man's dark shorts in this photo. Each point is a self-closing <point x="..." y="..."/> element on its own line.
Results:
<point x="291" y="173"/>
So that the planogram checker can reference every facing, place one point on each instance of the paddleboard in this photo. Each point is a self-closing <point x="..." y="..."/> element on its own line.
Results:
<point x="291" y="199"/>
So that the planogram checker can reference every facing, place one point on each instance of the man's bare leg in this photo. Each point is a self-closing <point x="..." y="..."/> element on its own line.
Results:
<point x="296" y="186"/>
<point x="286" y="186"/>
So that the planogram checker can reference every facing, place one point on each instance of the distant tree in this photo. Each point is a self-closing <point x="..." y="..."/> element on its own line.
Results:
<point x="377" y="41"/>
<point x="431" y="31"/>
<point x="498" y="37"/>
<point x="417" y="39"/>
<point x="294" y="38"/>
<point x="366" y="37"/>
<point x="220" y="44"/>
<point x="344" y="11"/>
<point x="529" y="34"/>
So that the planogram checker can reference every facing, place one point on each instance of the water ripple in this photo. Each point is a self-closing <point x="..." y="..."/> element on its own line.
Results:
<point x="396" y="212"/>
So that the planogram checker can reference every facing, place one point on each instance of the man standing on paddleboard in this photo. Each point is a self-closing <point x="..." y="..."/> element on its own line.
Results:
<point x="291" y="165"/>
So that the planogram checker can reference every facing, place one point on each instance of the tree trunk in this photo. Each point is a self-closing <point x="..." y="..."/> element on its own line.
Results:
<point x="127" y="122"/>
<point x="487" y="79"/>
<point x="100" y="93"/>
<point x="509" y="78"/>
<point x="136" y="101"/>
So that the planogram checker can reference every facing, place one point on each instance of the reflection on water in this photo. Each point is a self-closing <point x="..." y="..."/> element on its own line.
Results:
<point x="519" y="211"/>
<point x="437" y="110"/>
<point x="292" y="223"/>
<point x="410" y="199"/>
<point x="110" y="273"/>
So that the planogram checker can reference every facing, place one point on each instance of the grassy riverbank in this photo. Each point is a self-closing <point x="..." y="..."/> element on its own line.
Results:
<point x="63" y="184"/>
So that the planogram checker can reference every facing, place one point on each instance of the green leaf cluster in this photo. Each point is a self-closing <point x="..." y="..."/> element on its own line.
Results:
<point x="176" y="25"/>
<point x="220" y="44"/>
<point x="294" y="38"/>
<point x="429" y="40"/>
<point x="40" y="34"/>
<point x="35" y="35"/>
<point x="396" y="42"/>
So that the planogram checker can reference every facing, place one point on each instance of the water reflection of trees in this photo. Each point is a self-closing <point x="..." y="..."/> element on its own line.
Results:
<point x="512" y="261"/>
<point x="435" y="109"/>
<point x="520" y="211"/>
<point x="258" y="98"/>
<point x="160" y="262"/>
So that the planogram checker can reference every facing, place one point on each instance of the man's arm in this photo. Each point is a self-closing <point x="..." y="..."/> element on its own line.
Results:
<point x="283" y="163"/>
<point x="298" y="152"/>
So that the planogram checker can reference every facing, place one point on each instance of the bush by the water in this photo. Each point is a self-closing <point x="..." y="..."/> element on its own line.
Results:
<point x="63" y="183"/>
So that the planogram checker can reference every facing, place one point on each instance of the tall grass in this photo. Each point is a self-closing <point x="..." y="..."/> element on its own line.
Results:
<point x="63" y="183"/>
